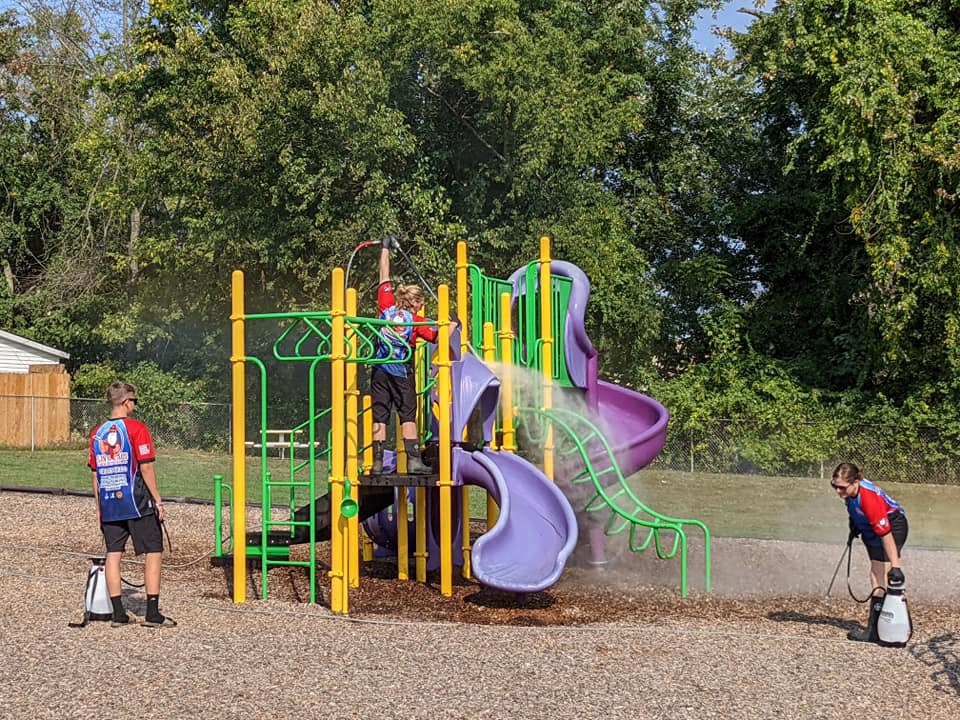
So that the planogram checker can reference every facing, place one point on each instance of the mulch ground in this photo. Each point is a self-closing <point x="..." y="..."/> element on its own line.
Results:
<point x="617" y="642"/>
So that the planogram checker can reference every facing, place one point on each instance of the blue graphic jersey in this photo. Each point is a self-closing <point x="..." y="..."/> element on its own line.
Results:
<point x="118" y="447"/>
<point x="395" y="342"/>
<point x="871" y="510"/>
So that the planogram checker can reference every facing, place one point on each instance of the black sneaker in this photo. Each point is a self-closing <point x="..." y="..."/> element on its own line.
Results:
<point x="120" y="620"/>
<point x="159" y="621"/>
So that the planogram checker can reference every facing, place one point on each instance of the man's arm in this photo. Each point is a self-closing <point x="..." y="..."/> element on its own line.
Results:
<point x="96" y="494"/>
<point x="150" y="480"/>
<point x="384" y="265"/>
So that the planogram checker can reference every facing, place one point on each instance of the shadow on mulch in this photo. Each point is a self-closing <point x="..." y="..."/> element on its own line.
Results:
<point x="798" y="617"/>
<point x="942" y="653"/>
<point x="491" y="598"/>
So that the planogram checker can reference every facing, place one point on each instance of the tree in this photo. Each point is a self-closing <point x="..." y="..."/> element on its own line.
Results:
<point x="69" y="227"/>
<point x="282" y="134"/>
<point x="859" y="101"/>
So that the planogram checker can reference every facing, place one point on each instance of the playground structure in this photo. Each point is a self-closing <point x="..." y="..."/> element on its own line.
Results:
<point x="469" y="422"/>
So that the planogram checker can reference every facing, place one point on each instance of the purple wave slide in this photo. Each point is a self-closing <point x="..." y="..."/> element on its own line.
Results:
<point x="528" y="546"/>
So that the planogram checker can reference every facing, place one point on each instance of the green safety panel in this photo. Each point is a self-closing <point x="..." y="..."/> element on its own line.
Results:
<point x="485" y="307"/>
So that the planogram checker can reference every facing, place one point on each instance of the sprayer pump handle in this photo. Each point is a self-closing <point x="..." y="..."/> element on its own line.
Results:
<point x="895" y="577"/>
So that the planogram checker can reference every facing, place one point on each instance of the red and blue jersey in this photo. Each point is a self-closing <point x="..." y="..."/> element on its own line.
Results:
<point x="871" y="510"/>
<point x="397" y="341"/>
<point x="118" y="448"/>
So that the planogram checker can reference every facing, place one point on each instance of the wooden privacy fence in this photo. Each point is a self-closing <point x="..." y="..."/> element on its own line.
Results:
<point x="35" y="407"/>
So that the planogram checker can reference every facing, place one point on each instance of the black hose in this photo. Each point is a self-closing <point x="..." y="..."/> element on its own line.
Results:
<point x="850" y="589"/>
<point x="358" y="248"/>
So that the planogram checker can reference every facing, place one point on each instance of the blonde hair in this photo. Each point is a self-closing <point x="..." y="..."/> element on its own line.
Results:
<point x="409" y="297"/>
<point x="847" y="472"/>
<point x="118" y="392"/>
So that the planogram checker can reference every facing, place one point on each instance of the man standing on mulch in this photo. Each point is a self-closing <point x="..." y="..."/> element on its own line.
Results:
<point x="128" y="501"/>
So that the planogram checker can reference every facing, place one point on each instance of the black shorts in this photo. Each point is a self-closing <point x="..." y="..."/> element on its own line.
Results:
<point x="392" y="392"/>
<point x="900" y="529"/>
<point x="145" y="531"/>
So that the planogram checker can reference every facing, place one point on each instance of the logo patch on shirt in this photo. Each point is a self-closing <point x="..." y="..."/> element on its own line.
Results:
<point x="883" y="523"/>
<point x="118" y="494"/>
<point x="144" y="449"/>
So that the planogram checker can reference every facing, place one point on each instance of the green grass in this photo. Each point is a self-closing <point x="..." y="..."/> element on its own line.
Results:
<point x="791" y="508"/>
<point x="180" y="473"/>
<point x="730" y="505"/>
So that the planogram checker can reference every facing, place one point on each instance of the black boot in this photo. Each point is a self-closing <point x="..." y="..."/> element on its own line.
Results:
<point x="377" y="468"/>
<point x="869" y="633"/>
<point x="415" y="466"/>
<point x="120" y="616"/>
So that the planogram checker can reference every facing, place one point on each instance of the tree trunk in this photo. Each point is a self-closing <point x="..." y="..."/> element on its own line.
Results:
<point x="132" y="247"/>
<point x="8" y="276"/>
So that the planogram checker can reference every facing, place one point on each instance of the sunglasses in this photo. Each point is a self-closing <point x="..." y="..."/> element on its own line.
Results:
<point x="133" y="400"/>
<point x="839" y="487"/>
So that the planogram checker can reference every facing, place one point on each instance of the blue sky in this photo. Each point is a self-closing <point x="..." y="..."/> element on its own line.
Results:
<point x="726" y="17"/>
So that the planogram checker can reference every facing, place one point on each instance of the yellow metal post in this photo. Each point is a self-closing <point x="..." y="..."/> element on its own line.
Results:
<point x="489" y="350"/>
<point x="353" y="442"/>
<point x="239" y="420"/>
<point x="463" y="316"/>
<point x="367" y="433"/>
<point x="546" y="350"/>
<point x="403" y="535"/>
<point x="367" y="462"/>
<point x="420" y="551"/>
<point x="401" y="451"/>
<point x="338" y="525"/>
<point x="402" y="516"/>
<point x="446" y="472"/>
<point x="490" y="356"/>
<point x="508" y="432"/>
<point x="463" y="297"/>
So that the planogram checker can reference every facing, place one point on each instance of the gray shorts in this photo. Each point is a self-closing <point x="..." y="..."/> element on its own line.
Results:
<point x="145" y="531"/>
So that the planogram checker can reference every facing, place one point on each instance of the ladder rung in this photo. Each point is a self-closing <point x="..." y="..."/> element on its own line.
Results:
<point x="289" y="563"/>
<point x="291" y="523"/>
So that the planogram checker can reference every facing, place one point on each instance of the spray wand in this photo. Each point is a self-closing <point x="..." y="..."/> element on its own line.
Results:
<point x="423" y="283"/>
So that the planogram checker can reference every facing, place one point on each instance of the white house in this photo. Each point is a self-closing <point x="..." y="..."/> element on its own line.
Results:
<point x="17" y="354"/>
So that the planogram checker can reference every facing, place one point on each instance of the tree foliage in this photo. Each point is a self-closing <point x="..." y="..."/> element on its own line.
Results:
<point x="281" y="134"/>
<point x="859" y="106"/>
<point x="767" y="235"/>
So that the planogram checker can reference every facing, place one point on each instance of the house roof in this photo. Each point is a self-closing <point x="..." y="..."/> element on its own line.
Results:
<point x="17" y="340"/>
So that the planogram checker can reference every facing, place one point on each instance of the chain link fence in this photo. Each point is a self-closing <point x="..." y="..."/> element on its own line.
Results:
<point x="202" y="426"/>
<point x="887" y="453"/>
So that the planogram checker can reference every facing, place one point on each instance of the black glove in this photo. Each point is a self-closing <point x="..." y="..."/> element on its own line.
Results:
<point x="390" y="243"/>
<point x="895" y="577"/>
